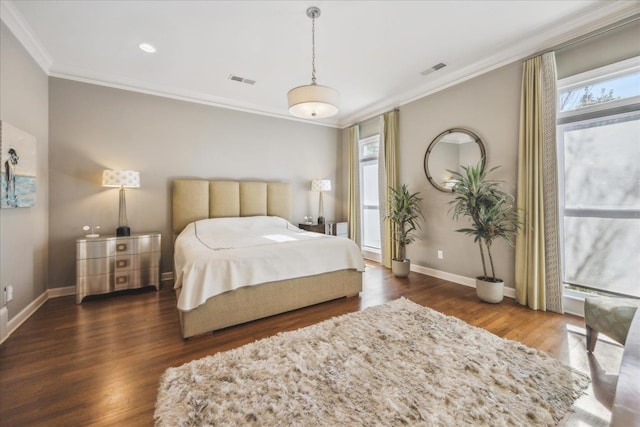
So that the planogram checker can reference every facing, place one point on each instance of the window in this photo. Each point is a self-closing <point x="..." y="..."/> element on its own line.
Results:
<point x="599" y="162"/>
<point x="369" y="201"/>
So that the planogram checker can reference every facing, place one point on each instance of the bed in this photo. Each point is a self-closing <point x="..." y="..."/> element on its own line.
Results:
<point x="257" y="204"/>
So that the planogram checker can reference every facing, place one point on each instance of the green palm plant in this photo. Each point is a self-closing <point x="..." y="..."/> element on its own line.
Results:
<point x="403" y="213"/>
<point x="490" y="209"/>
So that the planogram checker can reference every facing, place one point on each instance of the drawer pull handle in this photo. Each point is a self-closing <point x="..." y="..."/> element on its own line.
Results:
<point x="121" y="280"/>
<point x="121" y="247"/>
<point x="121" y="263"/>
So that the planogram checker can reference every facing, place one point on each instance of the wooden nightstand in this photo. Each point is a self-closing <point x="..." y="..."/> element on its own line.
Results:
<point x="108" y="263"/>
<point x="334" y="228"/>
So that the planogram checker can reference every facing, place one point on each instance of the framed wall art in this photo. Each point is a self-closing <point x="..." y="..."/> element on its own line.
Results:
<point x="18" y="164"/>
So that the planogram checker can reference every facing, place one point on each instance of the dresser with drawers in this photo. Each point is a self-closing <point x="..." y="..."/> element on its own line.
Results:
<point x="108" y="263"/>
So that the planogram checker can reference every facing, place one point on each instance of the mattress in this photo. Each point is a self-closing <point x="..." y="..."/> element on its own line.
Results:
<point x="218" y="255"/>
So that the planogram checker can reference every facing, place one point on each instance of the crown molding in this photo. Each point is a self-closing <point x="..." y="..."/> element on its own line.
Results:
<point x="22" y="31"/>
<point x="600" y="16"/>
<point x="118" y="82"/>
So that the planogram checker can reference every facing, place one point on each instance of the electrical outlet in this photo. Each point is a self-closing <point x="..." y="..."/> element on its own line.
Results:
<point x="440" y="255"/>
<point x="8" y="293"/>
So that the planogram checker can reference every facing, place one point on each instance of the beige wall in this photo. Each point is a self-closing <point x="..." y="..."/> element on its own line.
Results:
<point x="369" y="127"/>
<point x="489" y="106"/>
<point x="95" y="128"/>
<point x="614" y="46"/>
<point x="24" y="232"/>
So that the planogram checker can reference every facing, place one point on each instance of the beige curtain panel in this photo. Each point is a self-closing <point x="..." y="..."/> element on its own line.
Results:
<point x="538" y="278"/>
<point x="387" y="177"/>
<point x="353" y="193"/>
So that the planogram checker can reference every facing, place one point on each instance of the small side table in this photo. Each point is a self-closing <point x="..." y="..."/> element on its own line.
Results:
<point x="333" y="228"/>
<point x="108" y="263"/>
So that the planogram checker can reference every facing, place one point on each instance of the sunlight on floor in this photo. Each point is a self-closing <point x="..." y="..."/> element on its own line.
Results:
<point x="602" y="366"/>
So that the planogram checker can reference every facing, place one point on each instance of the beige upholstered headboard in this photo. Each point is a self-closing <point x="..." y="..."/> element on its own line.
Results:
<point x="195" y="199"/>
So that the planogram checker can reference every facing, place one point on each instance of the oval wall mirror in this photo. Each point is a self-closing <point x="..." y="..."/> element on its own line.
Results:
<point x="449" y="151"/>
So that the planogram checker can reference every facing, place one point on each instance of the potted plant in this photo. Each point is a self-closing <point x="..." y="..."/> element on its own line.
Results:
<point x="492" y="215"/>
<point x="403" y="213"/>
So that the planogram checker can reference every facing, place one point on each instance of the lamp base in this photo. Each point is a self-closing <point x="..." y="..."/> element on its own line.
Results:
<point x="320" y="220"/>
<point x="123" y="231"/>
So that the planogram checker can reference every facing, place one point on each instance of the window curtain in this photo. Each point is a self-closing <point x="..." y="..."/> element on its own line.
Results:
<point x="538" y="278"/>
<point x="353" y="193"/>
<point x="387" y="177"/>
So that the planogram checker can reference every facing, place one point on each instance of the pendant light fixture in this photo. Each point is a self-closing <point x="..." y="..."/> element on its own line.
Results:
<point x="313" y="101"/>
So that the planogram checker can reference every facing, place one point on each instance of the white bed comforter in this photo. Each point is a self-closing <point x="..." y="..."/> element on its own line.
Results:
<point x="213" y="256"/>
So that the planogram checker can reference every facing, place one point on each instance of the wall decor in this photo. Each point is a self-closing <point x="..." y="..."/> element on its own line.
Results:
<point x="448" y="152"/>
<point x="18" y="177"/>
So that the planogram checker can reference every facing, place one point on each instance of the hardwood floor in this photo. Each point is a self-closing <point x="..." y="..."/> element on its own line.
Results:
<point x="99" y="363"/>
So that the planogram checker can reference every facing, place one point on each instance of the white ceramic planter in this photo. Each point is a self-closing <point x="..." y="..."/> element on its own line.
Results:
<point x="400" y="268"/>
<point x="491" y="292"/>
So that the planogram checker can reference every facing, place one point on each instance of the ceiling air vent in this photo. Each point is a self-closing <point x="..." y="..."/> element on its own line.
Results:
<point x="434" y="68"/>
<point x="241" y="79"/>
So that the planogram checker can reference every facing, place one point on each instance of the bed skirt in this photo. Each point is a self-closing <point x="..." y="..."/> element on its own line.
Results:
<point x="259" y="301"/>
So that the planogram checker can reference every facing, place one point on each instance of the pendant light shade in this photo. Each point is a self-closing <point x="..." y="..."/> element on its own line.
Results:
<point x="313" y="101"/>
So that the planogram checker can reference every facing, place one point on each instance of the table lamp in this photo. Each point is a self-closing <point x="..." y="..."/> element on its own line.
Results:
<point x="122" y="179"/>
<point x="321" y="185"/>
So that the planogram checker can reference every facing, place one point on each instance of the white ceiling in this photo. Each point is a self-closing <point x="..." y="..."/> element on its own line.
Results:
<point x="372" y="52"/>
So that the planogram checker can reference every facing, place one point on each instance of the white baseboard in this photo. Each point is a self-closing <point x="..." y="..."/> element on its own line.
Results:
<point x="573" y="305"/>
<point x="373" y="256"/>
<point x="26" y="312"/>
<point x="71" y="290"/>
<point x="7" y="327"/>
<point x="455" y="278"/>
<point x="4" y="327"/>
<point x="61" y="292"/>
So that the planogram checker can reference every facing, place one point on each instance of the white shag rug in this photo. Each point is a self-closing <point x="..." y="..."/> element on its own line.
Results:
<point x="399" y="363"/>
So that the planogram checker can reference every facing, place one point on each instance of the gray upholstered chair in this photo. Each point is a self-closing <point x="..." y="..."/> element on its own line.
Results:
<point x="611" y="316"/>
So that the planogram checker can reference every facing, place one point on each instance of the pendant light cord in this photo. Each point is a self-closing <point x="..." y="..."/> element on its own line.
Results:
<point x="313" y="49"/>
<point x="313" y="101"/>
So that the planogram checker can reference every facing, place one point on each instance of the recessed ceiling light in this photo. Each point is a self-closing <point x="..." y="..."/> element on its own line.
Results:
<point x="147" y="47"/>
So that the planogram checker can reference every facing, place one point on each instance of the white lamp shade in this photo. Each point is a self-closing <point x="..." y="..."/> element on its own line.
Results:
<point x="313" y="101"/>
<point x="321" y="185"/>
<point x="117" y="178"/>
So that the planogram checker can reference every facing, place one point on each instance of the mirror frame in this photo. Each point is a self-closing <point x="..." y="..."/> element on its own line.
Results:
<point x="476" y="139"/>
